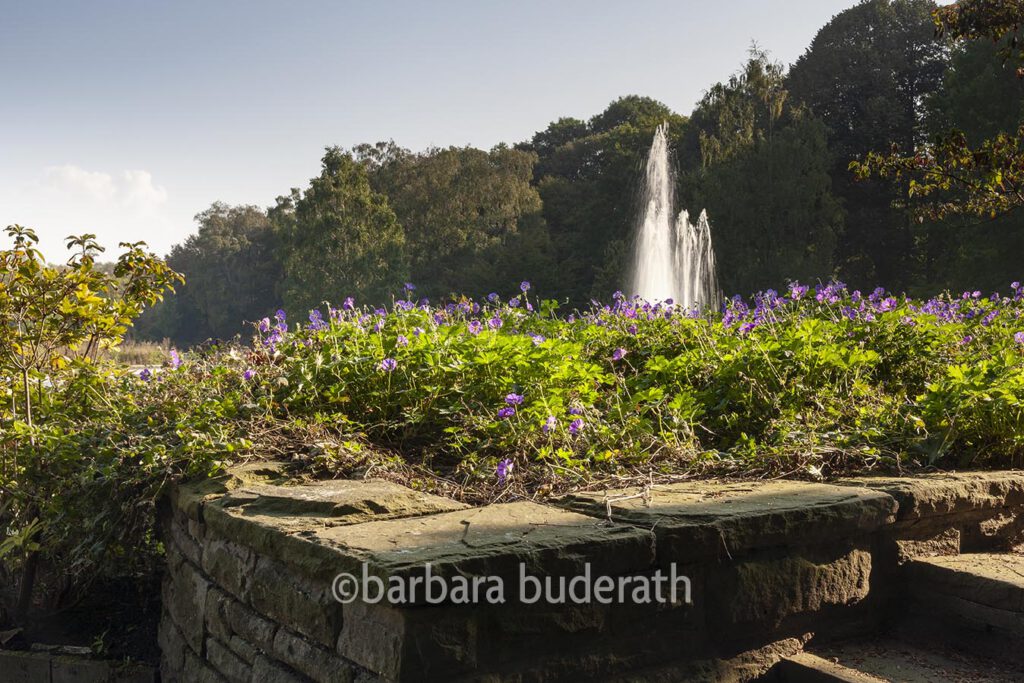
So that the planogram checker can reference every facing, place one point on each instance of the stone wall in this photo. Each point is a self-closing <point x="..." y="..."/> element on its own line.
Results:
<point x="252" y="557"/>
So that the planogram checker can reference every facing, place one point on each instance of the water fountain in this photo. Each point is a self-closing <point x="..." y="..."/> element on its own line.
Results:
<point x="673" y="257"/>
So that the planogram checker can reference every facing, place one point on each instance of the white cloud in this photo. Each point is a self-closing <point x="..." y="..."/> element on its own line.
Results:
<point x="132" y="188"/>
<point x="120" y="206"/>
<point x="72" y="179"/>
<point x="139" y="190"/>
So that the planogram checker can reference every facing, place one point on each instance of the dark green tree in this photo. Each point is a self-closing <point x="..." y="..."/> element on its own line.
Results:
<point x="341" y="239"/>
<point x="866" y="76"/>
<point x="764" y="179"/>
<point x="588" y="176"/>
<point x="461" y="210"/>
<point x="966" y="184"/>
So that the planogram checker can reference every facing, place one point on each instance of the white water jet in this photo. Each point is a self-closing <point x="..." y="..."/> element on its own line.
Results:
<point x="673" y="257"/>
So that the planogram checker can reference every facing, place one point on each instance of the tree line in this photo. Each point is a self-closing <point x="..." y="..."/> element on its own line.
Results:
<point x="767" y="153"/>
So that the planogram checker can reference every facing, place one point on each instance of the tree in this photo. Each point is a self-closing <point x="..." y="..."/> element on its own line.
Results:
<point x="866" y="76"/>
<point x="993" y="20"/>
<point x="341" y="238"/>
<point x="950" y="175"/>
<point x="460" y="209"/>
<point x="52" y="319"/>
<point x="587" y="176"/>
<point x="232" y="268"/>
<point x="763" y="176"/>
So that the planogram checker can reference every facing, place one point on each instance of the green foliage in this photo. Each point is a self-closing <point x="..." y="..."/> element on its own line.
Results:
<point x="587" y="176"/>
<point x="341" y="236"/>
<point x="458" y="207"/>
<point x="826" y="382"/>
<point x="864" y="76"/>
<point x="231" y="266"/>
<point x="991" y="19"/>
<point x="954" y="177"/>
<point x="55" y="323"/>
<point x="758" y="144"/>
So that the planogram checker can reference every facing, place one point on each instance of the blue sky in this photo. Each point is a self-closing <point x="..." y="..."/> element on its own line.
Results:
<point x="126" y="118"/>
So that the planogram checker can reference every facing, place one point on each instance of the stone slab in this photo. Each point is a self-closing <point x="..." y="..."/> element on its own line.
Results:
<point x="947" y="493"/>
<point x="278" y="521"/>
<point x="697" y="520"/>
<point x="189" y="497"/>
<point x="995" y="580"/>
<point x="493" y="541"/>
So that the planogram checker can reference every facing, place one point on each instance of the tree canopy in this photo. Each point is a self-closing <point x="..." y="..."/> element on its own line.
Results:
<point x="926" y="96"/>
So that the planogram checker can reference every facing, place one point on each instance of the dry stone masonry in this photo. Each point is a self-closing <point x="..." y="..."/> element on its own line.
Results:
<point x="252" y="557"/>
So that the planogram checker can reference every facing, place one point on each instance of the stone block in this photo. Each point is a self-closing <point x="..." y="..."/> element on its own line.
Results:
<point x="758" y="594"/>
<point x="700" y="520"/>
<point x="184" y="599"/>
<point x="995" y="580"/>
<point x="72" y="670"/>
<point x="304" y="605"/>
<point x="321" y="665"/>
<point x="492" y="541"/>
<point x="280" y="521"/>
<point x="227" y="663"/>
<point x="927" y="495"/>
<point x="252" y="627"/>
<point x="216" y="614"/>
<point x="24" y="667"/>
<point x="266" y="670"/>
<point x="198" y="670"/>
<point x="172" y="648"/>
<point x="243" y="649"/>
<point x="230" y="564"/>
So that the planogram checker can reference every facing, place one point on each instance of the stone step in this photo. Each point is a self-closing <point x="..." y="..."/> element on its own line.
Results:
<point x="992" y="580"/>
<point x="973" y="603"/>
<point x="879" y="660"/>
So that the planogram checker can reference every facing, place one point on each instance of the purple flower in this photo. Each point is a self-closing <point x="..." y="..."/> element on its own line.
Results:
<point x="475" y="326"/>
<point x="524" y="286"/>
<point x="506" y="412"/>
<point x="967" y="340"/>
<point x="410" y="287"/>
<point x="264" y="325"/>
<point x="280" y="315"/>
<point x="619" y="354"/>
<point x="248" y="374"/>
<point x="505" y="468"/>
<point x="495" y="323"/>
<point x="492" y="297"/>
<point x="402" y="340"/>
<point x="538" y="339"/>
<point x="632" y="329"/>
<point x="388" y="365"/>
<point x="575" y="411"/>
<point x="417" y="331"/>
<point x="316" y="320"/>
<point x="146" y="374"/>
<point x="514" y="399"/>
<point x="1019" y="338"/>
<point x="575" y="426"/>
<point x="549" y="424"/>
<point x="349" y="303"/>
<point x="514" y="302"/>
<point x="175" y="359"/>
<point x="797" y="291"/>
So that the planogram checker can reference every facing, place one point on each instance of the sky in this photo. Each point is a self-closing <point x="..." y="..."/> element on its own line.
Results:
<point x="125" y="118"/>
